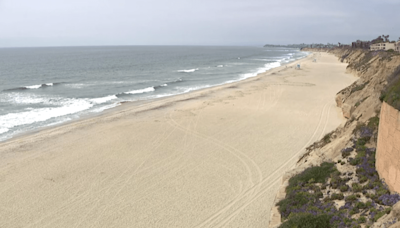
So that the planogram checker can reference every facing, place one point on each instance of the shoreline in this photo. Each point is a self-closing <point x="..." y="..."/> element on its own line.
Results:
<point x="139" y="103"/>
<point x="211" y="157"/>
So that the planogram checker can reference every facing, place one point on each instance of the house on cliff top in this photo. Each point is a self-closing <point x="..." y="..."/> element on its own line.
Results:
<point x="383" y="46"/>
<point x="397" y="46"/>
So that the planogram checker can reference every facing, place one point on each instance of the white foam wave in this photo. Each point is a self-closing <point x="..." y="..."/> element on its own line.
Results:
<point x="220" y="66"/>
<point x="34" y="86"/>
<point x="78" y="85"/>
<point x="23" y="98"/>
<point x="164" y="85"/>
<point x="38" y="86"/>
<point x="68" y="106"/>
<point x="188" y="71"/>
<point x="103" y="99"/>
<point x="3" y="130"/>
<point x="266" y="67"/>
<point x="146" y="90"/>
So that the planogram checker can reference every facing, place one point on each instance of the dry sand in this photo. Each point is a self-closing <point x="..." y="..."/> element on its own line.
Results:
<point x="211" y="158"/>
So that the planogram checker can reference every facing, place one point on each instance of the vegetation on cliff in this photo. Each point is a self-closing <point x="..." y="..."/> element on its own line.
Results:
<point x="391" y="94"/>
<point x="351" y="194"/>
<point x="323" y="196"/>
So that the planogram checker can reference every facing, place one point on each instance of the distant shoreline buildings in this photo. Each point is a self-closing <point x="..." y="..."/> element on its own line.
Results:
<point x="382" y="43"/>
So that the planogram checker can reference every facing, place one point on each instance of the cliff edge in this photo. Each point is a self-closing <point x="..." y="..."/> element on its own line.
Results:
<point x="351" y="144"/>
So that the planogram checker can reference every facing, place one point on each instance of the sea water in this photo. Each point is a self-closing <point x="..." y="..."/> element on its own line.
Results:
<point x="42" y="87"/>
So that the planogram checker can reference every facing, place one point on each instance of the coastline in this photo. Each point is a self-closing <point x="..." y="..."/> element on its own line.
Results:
<point x="211" y="157"/>
<point x="138" y="104"/>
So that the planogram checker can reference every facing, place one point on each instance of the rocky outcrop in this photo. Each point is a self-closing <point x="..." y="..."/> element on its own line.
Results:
<point x="347" y="110"/>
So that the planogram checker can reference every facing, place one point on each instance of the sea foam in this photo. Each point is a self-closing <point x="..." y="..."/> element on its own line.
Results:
<point x="3" y="130"/>
<point x="34" y="86"/>
<point x="68" y="106"/>
<point x="188" y="71"/>
<point x="146" y="90"/>
<point x="102" y="100"/>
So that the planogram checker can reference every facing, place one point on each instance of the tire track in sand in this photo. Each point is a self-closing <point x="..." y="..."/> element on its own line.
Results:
<point x="208" y="222"/>
<point x="276" y="180"/>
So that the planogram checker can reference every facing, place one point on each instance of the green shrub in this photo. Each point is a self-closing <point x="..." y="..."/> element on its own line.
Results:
<point x="391" y="94"/>
<point x="344" y="188"/>
<point x="378" y="183"/>
<point x="360" y="205"/>
<point x="351" y="198"/>
<point x="368" y="204"/>
<point x="307" y="221"/>
<point x="373" y="123"/>
<point x="319" y="174"/>
<point x="362" y="219"/>
<point x="361" y="154"/>
<point x="345" y="154"/>
<point x="294" y="201"/>
<point x="362" y="141"/>
<point x="354" y="210"/>
<point x="363" y="179"/>
<point x="327" y="138"/>
<point x="379" y="215"/>
<point x="336" y="196"/>
<point x="382" y="191"/>
<point x="360" y="170"/>
<point x="357" y="187"/>
<point x="360" y="148"/>
<point x="355" y="161"/>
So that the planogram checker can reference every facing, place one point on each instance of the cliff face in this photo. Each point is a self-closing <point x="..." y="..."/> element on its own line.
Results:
<point x="360" y="104"/>
<point x="374" y="69"/>
<point x="360" y="101"/>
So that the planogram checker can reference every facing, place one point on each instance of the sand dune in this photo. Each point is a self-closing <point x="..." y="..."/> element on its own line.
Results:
<point x="211" y="158"/>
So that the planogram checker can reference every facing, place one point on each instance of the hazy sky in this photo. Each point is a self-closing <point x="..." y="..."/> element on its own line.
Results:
<point x="192" y="22"/>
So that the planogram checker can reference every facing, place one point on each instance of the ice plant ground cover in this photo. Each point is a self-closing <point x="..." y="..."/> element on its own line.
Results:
<point x="322" y="196"/>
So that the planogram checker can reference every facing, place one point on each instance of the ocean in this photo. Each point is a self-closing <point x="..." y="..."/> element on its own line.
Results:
<point x="41" y="87"/>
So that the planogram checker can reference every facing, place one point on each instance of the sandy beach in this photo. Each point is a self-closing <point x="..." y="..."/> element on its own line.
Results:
<point x="210" y="158"/>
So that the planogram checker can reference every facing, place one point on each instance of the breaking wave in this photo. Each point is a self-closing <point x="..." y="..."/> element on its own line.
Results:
<point x="34" y="86"/>
<point x="68" y="106"/>
<point x="102" y="100"/>
<point x="188" y="71"/>
<point x="146" y="90"/>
